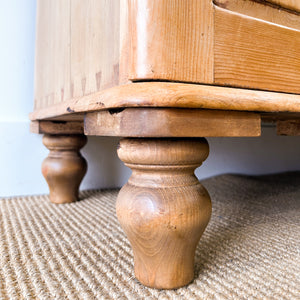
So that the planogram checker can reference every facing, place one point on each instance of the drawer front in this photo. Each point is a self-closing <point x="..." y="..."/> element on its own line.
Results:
<point x="234" y="43"/>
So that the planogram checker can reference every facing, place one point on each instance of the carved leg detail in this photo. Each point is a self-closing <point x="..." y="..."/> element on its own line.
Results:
<point x="163" y="208"/>
<point x="64" y="168"/>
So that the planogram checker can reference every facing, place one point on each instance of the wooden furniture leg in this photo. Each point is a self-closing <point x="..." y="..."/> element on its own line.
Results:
<point x="64" y="168"/>
<point x="163" y="208"/>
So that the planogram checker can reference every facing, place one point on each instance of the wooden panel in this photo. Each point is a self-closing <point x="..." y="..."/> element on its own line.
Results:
<point x="56" y="127"/>
<point x="290" y="4"/>
<point x="77" y="49"/>
<point x="171" y="40"/>
<point x="261" y="11"/>
<point x="52" y="63"/>
<point x="94" y="45"/>
<point x="288" y="127"/>
<point x="153" y="122"/>
<point x="250" y="53"/>
<point x="124" y="44"/>
<point x="167" y="94"/>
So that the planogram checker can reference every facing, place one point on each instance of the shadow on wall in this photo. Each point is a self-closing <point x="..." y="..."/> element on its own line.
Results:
<point x="105" y="170"/>
<point x="254" y="156"/>
<point x="261" y="155"/>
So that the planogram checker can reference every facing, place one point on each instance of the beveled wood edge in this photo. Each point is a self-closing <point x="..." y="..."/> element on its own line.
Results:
<point x="171" y="94"/>
<point x="288" y="5"/>
<point x="287" y="123"/>
<point x="274" y="4"/>
<point x="172" y="122"/>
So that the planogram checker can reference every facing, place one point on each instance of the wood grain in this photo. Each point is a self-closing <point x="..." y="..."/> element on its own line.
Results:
<point x="250" y="53"/>
<point x="163" y="208"/>
<point x="180" y="95"/>
<point x="77" y="49"/>
<point x="79" y="44"/>
<point x="125" y="51"/>
<point x="56" y="127"/>
<point x="64" y="168"/>
<point x="290" y="4"/>
<point x="288" y="127"/>
<point x="95" y="34"/>
<point x="262" y="11"/>
<point x="164" y="122"/>
<point x="248" y="50"/>
<point x="52" y="63"/>
<point x="171" y="40"/>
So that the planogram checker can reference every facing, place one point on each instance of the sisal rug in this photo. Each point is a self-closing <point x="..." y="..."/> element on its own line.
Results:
<point x="250" y="250"/>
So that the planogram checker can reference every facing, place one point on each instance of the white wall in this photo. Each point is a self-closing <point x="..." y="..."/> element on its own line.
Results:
<point x="266" y="154"/>
<point x="21" y="152"/>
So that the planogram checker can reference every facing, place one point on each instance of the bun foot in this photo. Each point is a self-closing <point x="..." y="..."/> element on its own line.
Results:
<point x="64" y="168"/>
<point x="163" y="208"/>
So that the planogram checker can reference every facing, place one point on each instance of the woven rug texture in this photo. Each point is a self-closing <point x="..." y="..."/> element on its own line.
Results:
<point x="250" y="249"/>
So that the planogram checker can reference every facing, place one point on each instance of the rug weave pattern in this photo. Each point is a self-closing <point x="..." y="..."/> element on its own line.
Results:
<point x="250" y="250"/>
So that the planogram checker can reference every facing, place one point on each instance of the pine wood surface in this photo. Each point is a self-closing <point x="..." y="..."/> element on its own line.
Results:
<point x="52" y="53"/>
<point x="250" y="53"/>
<point x="293" y="5"/>
<point x="164" y="122"/>
<point x="263" y="55"/>
<point x="64" y="168"/>
<point x="262" y="11"/>
<point x="180" y="95"/>
<point x="171" y="40"/>
<point x="57" y="127"/>
<point x="77" y="49"/>
<point x="85" y="47"/>
<point x="163" y="208"/>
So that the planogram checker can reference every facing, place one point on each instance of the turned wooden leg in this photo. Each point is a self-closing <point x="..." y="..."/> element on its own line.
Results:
<point x="163" y="208"/>
<point x="64" y="168"/>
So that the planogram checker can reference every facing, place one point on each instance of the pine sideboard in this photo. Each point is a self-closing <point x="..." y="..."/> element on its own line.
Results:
<point x="162" y="75"/>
